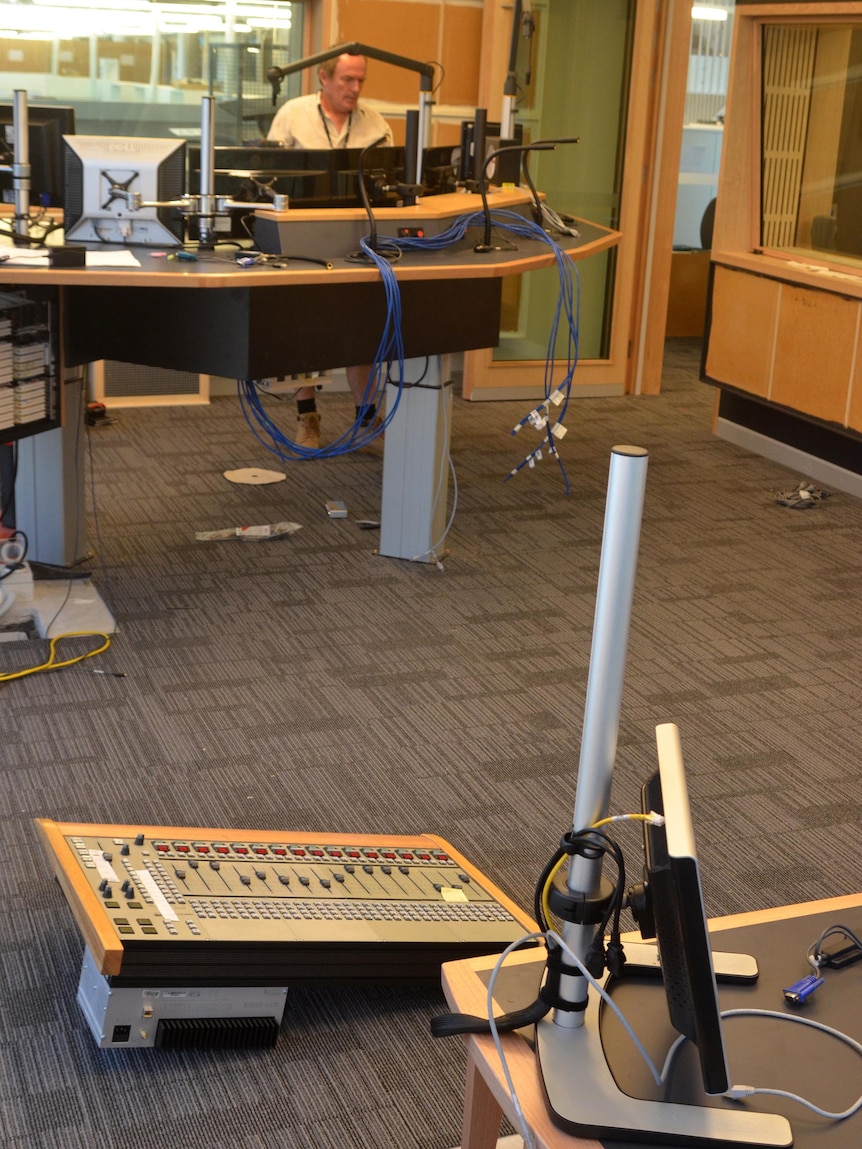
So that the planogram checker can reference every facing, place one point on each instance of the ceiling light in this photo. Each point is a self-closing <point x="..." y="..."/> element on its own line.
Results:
<point x="704" y="12"/>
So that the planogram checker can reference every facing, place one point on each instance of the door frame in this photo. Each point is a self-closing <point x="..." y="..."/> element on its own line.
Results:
<point x="648" y="202"/>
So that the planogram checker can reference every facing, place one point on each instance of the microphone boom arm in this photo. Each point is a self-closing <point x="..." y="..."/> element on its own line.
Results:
<point x="275" y="76"/>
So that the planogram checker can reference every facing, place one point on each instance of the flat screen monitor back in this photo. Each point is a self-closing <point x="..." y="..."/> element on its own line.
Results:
<point x="100" y="169"/>
<point x="47" y="126"/>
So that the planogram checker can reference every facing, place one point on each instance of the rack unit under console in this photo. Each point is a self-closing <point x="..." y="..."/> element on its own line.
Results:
<point x="190" y="906"/>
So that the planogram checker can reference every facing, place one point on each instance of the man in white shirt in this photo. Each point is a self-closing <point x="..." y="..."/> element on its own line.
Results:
<point x="331" y="118"/>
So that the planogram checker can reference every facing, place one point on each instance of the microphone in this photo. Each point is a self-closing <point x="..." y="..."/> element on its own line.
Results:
<point x="363" y="192"/>
<point x="538" y="146"/>
<point x="275" y="76"/>
<point x="538" y="211"/>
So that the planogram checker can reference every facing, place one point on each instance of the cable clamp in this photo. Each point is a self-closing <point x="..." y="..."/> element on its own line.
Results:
<point x="550" y="991"/>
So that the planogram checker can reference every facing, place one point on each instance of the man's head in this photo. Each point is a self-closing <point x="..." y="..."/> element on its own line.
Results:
<point x="341" y="80"/>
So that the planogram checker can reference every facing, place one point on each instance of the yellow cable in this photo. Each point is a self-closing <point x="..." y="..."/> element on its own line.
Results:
<point x="51" y="664"/>
<point x="546" y="892"/>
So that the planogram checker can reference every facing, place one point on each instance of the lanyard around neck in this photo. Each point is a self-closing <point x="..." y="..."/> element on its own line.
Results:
<point x="325" y="123"/>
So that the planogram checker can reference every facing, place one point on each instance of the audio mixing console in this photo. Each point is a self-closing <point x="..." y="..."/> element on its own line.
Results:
<point x="167" y="906"/>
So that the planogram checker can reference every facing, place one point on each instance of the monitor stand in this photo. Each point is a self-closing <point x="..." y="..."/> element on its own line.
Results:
<point x="584" y="1099"/>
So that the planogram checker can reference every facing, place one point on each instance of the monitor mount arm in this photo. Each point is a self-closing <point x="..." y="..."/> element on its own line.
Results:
<point x="204" y="205"/>
<point x="275" y="76"/>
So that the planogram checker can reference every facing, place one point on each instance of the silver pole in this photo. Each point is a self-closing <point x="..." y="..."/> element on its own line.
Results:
<point x="621" y="533"/>
<point x="423" y="135"/>
<point x="21" y="163"/>
<point x="206" y="222"/>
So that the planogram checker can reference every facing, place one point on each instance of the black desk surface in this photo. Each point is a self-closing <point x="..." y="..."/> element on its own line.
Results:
<point x="760" y="1051"/>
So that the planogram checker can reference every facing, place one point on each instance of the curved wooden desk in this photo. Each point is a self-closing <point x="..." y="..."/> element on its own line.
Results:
<point x="487" y="1097"/>
<point x="211" y="317"/>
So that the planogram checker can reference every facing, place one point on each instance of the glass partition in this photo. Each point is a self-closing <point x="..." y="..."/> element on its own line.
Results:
<point x="811" y="200"/>
<point x="132" y="67"/>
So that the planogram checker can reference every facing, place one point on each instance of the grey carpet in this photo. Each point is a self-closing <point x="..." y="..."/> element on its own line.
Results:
<point x="308" y="684"/>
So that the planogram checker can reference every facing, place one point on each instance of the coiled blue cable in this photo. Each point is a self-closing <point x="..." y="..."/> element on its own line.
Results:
<point x="390" y="348"/>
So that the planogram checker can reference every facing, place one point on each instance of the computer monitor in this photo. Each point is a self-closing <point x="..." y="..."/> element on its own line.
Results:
<point x="676" y="898"/>
<point x="99" y="169"/>
<point x="46" y="127"/>
<point x="599" y="1107"/>
<point x="311" y="178"/>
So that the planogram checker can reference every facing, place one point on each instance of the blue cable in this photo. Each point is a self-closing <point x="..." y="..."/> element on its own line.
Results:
<point x="390" y="348"/>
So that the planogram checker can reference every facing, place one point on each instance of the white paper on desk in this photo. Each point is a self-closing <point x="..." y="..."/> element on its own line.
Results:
<point x="39" y="258"/>
<point x="121" y="258"/>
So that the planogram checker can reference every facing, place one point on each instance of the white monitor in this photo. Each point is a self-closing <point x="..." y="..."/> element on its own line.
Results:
<point x="98" y="169"/>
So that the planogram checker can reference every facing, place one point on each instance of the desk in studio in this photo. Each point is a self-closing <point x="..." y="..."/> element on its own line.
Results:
<point x="778" y="938"/>
<point x="211" y="317"/>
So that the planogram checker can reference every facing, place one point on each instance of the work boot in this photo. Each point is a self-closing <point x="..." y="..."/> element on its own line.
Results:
<point x="308" y="431"/>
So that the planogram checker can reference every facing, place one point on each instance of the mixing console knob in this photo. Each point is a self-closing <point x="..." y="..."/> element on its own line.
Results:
<point x="214" y="865"/>
<point x="139" y="840"/>
<point x="285" y="880"/>
<point x="125" y="849"/>
<point x="338" y="877"/>
<point x="403" y="869"/>
<point x="305" y="881"/>
<point x="107" y="856"/>
<point x="260" y="874"/>
<point x="245" y="879"/>
<point x="325" y="882"/>
<point x="350" y="869"/>
<point x="194" y="863"/>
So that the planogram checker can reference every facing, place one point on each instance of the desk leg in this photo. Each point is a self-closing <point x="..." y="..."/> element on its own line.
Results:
<point x="414" y="503"/>
<point x="482" y="1114"/>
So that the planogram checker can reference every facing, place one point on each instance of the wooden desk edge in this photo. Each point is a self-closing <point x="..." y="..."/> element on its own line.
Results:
<point x="295" y="275"/>
<point x="89" y="914"/>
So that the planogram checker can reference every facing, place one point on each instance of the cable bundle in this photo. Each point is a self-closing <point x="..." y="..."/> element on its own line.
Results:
<point x="382" y="251"/>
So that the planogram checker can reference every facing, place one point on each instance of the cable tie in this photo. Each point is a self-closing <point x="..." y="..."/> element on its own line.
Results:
<point x="558" y="430"/>
<point x="557" y="397"/>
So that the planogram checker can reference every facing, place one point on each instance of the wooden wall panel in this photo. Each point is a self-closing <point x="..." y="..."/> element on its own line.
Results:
<point x="814" y="352"/>
<point x="740" y="351"/>
<point x="461" y="51"/>
<point x="854" y="399"/>
<point x="411" y="30"/>
<point x="25" y="55"/>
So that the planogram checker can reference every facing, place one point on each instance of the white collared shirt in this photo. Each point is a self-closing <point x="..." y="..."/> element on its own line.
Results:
<point x="302" y="123"/>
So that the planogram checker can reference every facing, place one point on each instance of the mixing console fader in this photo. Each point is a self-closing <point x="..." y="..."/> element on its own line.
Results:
<point x="179" y="906"/>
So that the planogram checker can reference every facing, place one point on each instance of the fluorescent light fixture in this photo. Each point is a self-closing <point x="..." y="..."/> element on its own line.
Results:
<point x="136" y="17"/>
<point x="705" y="12"/>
